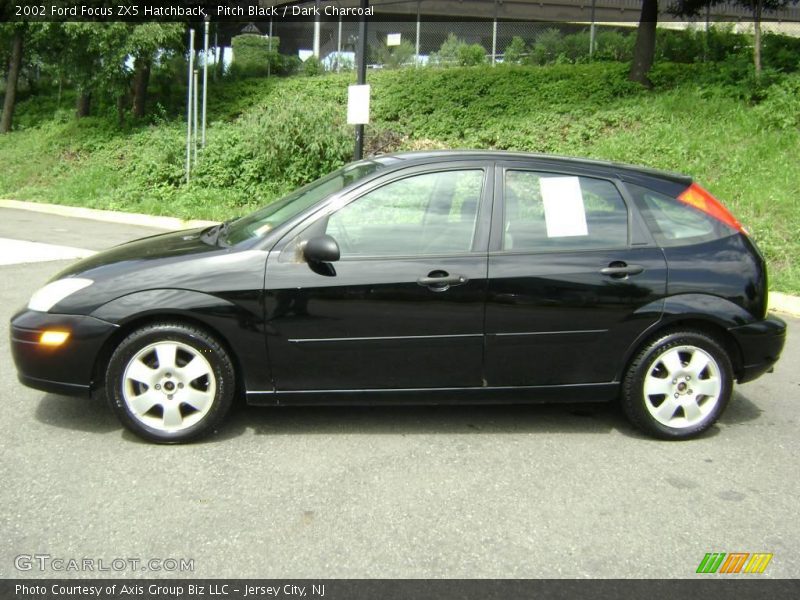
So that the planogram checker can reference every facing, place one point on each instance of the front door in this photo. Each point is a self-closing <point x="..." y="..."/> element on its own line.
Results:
<point x="403" y="306"/>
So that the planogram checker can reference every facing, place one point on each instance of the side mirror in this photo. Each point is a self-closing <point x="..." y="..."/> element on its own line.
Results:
<point x="321" y="249"/>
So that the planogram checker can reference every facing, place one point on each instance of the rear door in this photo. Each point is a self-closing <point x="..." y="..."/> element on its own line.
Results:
<point x="573" y="278"/>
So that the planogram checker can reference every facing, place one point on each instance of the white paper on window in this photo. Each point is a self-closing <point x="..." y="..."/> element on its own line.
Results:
<point x="564" y="212"/>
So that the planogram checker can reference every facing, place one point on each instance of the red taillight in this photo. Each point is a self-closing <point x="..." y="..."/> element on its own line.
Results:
<point x="700" y="199"/>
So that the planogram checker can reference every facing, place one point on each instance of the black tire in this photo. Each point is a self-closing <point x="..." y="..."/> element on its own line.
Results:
<point x="650" y="365"/>
<point x="214" y="387"/>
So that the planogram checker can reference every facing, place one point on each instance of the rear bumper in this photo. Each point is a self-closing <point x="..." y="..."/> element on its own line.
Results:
<point x="761" y="344"/>
<point x="65" y="369"/>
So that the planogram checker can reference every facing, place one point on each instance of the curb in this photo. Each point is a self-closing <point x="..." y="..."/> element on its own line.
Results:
<point x="778" y="301"/>
<point x="109" y="216"/>
<point x="784" y="303"/>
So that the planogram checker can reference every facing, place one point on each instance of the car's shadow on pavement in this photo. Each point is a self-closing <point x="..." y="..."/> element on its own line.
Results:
<point x="94" y="416"/>
<point x="91" y="415"/>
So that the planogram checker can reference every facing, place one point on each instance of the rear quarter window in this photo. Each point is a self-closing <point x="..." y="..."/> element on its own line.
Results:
<point x="674" y="223"/>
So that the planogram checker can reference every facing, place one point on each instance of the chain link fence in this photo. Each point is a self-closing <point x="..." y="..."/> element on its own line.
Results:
<point x="408" y="43"/>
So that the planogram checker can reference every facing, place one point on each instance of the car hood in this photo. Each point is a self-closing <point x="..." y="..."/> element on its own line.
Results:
<point x="171" y="246"/>
<point x="186" y="260"/>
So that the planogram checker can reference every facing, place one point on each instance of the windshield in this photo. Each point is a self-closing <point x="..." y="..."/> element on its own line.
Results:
<point x="260" y="222"/>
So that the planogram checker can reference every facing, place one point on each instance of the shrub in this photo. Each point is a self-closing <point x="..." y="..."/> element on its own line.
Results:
<point x="253" y="54"/>
<point x="515" y="51"/>
<point x="395" y="56"/>
<point x="312" y="67"/>
<point x="456" y="52"/>
<point x="681" y="46"/>
<point x="614" y="45"/>
<point x="546" y="48"/>
<point x="274" y="148"/>
<point x="471" y="54"/>
<point x="781" y="52"/>
<point x="780" y="108"/>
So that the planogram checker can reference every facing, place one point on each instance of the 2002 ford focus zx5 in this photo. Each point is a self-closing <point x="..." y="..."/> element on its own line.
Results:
<point x="422" y="277"/>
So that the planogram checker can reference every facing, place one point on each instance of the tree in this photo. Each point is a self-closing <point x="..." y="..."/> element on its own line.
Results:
<point x="756" y="7"/>
<point x="114" y="59"/>
<point x="17" y="34"/>
<point x="645" y="48"/>
<point x="144" y="42"/>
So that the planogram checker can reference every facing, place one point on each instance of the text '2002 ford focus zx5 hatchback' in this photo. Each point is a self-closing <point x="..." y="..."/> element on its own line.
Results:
<point x="421" y="277"/>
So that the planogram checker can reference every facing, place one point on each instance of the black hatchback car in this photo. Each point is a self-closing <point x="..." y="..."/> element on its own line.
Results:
<point x="422" y="277"/>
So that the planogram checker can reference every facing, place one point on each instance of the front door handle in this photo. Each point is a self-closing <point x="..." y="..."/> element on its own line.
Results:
<point x="439" y="281"/>
<point x="620" y="270"/>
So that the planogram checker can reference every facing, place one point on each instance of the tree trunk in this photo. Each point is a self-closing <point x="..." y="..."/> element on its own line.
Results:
<point x="645" y="48"/>
<point x="11" y="82"/>
<point x="83" y="104"/>
<point x="121" y="110"/>
<point x="757" y="12"/>
<point x="141" y="79"/>
<point x="220" y="62"/>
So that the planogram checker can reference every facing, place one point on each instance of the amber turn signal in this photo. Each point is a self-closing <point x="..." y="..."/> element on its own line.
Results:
<point x="53" y="338"/>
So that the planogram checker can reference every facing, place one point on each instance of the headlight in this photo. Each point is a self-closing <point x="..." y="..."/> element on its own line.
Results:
<point x="47" y="297"/>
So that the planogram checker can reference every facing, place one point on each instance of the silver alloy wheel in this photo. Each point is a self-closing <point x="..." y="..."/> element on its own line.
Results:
<point x="168" y="386"/>
<point x="682" y="387"/>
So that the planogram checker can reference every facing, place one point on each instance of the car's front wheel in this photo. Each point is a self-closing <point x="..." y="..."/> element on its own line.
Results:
<point x="170" y="382"/>
<point x="678" y="385"/>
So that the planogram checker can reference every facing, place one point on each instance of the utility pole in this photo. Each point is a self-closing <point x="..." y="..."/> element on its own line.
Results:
<point x="358" y="154"/>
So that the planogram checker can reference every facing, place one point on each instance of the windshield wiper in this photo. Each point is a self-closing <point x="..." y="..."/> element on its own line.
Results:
<point x="216" y="233"/>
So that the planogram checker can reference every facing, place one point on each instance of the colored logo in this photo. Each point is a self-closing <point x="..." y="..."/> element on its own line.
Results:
<point x="734" y="562"/>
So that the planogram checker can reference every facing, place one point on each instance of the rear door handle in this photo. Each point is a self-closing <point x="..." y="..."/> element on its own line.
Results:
<point x="440" y="281"/>
<point x="620" y="270"/>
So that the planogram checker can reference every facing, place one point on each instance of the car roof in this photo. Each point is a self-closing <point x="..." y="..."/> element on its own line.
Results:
<point x="606" y="167"/>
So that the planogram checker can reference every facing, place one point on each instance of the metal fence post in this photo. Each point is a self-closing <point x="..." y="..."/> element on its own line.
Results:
<point x="189" y="107"/>
<point x="416" y="59"/>
<point x="196" y="85"/>
<point x="205" y="83"/>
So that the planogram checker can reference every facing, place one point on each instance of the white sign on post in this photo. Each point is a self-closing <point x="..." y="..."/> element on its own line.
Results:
<point x="358" y="105"/>
<point x="393" y="39"/>
<point x="564" y="212"/>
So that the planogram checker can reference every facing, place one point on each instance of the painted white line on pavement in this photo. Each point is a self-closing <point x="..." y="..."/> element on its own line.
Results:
<point x="16" y="252"/>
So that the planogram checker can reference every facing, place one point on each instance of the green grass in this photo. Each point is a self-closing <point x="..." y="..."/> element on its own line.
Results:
<point x="266" y="137"/>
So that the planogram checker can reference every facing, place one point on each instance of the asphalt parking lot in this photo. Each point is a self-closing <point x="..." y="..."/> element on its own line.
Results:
<point x="406" y="492"/>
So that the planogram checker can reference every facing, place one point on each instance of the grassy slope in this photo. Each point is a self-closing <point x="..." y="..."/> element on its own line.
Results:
<point x="587" y="110"/>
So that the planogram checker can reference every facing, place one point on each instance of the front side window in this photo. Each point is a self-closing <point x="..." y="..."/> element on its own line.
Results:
<point x="264" y="220"/>
<point x="550" y="212"/>
<point x="426" y="214"/>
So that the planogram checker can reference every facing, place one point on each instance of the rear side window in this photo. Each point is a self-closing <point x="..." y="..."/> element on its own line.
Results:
<point x="547" y="212"/>
<point x="675" y="223"/>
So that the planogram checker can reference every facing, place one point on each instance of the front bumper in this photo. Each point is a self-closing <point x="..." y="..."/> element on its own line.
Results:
<point x="65" y="369"/>
<point x="761" y="344"/>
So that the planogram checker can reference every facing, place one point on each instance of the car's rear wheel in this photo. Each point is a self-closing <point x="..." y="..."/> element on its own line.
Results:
<point x="678" y="385"/>
<point x="170" y="382"/>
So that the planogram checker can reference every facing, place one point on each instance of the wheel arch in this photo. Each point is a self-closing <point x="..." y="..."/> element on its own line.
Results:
<point x="140" y="309"/>
<point x="712" y="328"/>
<point x="163" y="316"/>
